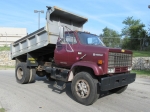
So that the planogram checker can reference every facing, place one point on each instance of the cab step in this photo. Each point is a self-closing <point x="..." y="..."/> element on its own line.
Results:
<point x="59" y="85"/>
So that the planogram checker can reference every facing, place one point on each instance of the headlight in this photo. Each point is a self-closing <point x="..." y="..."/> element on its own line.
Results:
<point x="111" y="70"/>
<point x="129" y="68"/>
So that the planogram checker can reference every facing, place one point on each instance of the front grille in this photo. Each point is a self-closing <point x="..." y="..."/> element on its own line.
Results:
<point x="119" y="60"/>
<point x="121" y="69"/>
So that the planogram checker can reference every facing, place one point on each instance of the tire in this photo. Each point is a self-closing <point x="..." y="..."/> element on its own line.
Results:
<point x="90" y="91"/>
<point x="32" y="75"/>
<point x="22" y="73"/>
<point x="119" y="90"/>
<point x="41" y="73"/>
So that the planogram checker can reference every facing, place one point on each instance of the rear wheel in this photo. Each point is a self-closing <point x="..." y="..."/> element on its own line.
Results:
<point x="32" y="75"/>
<point x="85" y="88"/>
<point x="22" y="73"/>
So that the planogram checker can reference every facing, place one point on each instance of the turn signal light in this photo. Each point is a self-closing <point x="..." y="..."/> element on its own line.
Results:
<point x="100" y="62"/>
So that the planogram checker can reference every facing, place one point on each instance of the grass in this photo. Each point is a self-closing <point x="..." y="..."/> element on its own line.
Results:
<point x="141" y="72"/>
<point x="141" y="53"/>
<point x="2" y="110"/>
<point x="6" y="67"/>
<point x="5" y="48"/>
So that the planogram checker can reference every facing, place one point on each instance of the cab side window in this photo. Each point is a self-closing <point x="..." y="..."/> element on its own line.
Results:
<point x="70" y="38"/>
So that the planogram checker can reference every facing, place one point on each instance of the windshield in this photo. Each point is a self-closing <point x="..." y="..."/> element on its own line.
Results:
<point x="90" y="39"/>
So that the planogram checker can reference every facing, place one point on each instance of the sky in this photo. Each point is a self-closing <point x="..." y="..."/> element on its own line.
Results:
<point x="100" y="13"/>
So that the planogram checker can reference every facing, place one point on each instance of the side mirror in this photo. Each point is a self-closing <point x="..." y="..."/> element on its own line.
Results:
<point x="61" y="32"/>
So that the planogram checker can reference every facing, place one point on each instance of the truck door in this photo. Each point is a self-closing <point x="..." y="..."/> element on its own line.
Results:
<point x="66" y="50"/>
<point x="71" y="48"/>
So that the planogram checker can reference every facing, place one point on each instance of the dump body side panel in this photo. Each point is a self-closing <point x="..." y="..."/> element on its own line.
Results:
<point x="29" y="43"/>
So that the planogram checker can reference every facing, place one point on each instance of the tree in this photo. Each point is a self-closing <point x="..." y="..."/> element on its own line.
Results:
<point x="110" y="37"/>
<point x="149" y="29"/>
<point x="129" y="22"/>
<point x="126" y="43"/>
<point x="135" y="33"/>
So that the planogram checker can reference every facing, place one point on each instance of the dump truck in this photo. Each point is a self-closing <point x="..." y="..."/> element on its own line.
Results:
<point x="62" y="52"/>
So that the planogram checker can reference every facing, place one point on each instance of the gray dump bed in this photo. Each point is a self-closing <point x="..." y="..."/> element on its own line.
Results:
<point x="48" y="35"/>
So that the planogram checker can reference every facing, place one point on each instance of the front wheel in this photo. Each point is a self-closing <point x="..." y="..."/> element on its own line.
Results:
<point x="85" y="88"/>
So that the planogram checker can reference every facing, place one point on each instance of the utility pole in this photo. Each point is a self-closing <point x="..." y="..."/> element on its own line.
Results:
<point x="6" y="38"/>
<point x="36" y="11"/>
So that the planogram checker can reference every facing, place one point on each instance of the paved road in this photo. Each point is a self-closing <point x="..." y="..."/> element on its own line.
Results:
<point x="42" y="97"/>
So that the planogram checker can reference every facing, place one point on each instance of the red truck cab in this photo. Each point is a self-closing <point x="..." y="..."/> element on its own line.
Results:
<point x="81" y="48"/>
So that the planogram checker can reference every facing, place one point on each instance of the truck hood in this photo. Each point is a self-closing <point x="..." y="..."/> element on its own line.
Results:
<point x="95" y="53"/>
<point x="118" y="50"/>
<point x="104" y="49"/>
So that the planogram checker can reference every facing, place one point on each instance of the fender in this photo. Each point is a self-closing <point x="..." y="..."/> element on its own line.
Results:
<point x="97" y="69"/>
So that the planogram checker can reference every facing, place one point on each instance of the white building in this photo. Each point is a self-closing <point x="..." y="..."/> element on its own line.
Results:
<point x="9" y="35"/>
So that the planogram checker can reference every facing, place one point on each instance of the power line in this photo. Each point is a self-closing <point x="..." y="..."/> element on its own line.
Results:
<point x="11" y="34"/>
<point x="121" y="38"/>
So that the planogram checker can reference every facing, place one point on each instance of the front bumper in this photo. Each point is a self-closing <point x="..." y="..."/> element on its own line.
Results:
<point x="115" y="81"/>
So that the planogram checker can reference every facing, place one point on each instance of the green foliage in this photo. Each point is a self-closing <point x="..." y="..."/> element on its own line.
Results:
<point x="147" y="48"/>
<point x="6" y="67"/>
<point x="5" y="48"/>
<point x="129" y="22"/>
<point x="141" y="72"/>
<point x="134" y="34"/>
<point x="126" y="43"/>
<point x="110" y="37"/>
<point x="141" y="53"/>
<point x="2" y="110"/>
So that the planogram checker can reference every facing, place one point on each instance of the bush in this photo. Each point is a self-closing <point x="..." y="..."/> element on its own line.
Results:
<point x="147" y="48"/>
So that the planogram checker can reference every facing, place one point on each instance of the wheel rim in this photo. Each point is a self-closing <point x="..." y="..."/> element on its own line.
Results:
<point x="82" y="88"/>
<point x="19" y="73"/>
